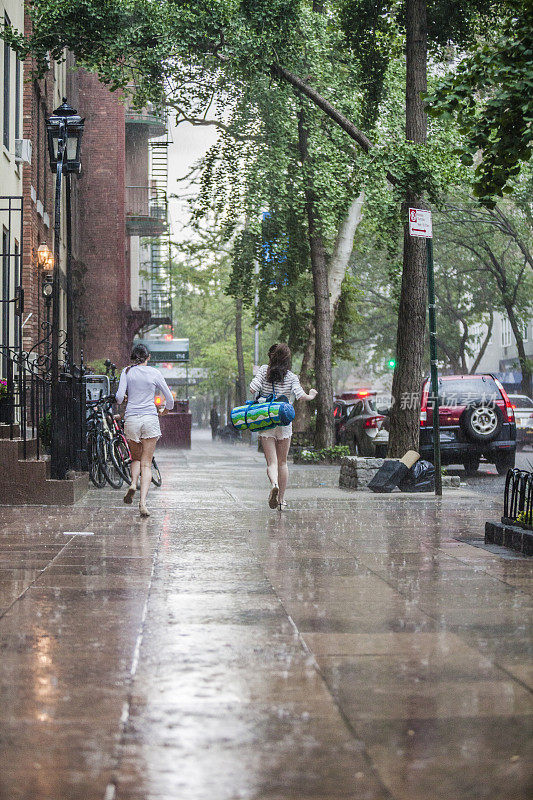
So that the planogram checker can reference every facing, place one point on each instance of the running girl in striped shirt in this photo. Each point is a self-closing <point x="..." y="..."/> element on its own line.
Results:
<point x="276" y="377"/>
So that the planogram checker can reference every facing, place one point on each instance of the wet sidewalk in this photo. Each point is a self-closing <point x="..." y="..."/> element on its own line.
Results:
<point x="357" y="647"/>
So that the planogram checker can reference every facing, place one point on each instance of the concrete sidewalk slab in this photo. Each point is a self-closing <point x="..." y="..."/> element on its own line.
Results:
<point x="357" y="646"/>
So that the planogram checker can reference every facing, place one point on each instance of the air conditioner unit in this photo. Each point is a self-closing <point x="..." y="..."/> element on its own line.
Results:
<point x="23" y="151"/>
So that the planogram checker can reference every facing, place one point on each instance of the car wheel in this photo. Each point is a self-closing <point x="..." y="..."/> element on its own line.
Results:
<point x="381" y="450"/>
<point x="471" y="466"/>
<point x="352" y="444"/>
<point x="481" y="422"/>
<point x="504" y="462"/>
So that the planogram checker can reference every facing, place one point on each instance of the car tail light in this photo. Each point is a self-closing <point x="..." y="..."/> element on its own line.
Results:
<point x="508" y="406"/>
<point x="424" y="406"/>
<point x="373" y="422"/>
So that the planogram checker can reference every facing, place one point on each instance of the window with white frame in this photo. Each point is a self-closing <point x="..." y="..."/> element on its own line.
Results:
<point x="507" y="333"/>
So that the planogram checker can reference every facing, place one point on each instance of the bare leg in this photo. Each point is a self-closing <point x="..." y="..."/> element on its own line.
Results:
<point x="135" y="450"/>
<point x="282" y="450"/>
<point x="148" y="450"/>
<point x="269" y="449"/>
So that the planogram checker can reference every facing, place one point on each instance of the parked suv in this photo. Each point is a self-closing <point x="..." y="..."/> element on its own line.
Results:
<point x="476" y="420"/>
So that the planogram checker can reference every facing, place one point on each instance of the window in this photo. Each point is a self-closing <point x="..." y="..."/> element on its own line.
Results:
<point x="7" y="82"/>
<point x="526" y="326"/>
<point x="506" y="332"/>
<point x="356" y="410"/>
<point x="5" y="291"/>
<point x="37" y="117"/>
<point x="17" y="98"/>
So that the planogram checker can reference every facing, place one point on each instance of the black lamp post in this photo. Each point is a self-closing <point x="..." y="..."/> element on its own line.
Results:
<point x="64" y="131"/>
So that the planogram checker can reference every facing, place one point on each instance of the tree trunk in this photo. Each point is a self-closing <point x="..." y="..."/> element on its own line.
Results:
<point x="481" y="353"/>
<point x="241" y="376"/>
<point x="338" y="264"/>
<point x="525" y="364"/>
<point x="342" y="252"/>
<point x="407" y="382"/>
<point x="229" y="403"/>
<point x="325" y="432"/>
<point x="302" y="419"/>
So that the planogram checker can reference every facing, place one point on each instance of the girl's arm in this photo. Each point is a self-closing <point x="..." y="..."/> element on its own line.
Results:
<point x="122" y="387"/>
<point x="167" y="394"/>
<point x="299" y="392"/>
<point x="311" y="396"/>
<point x="255" y="385"/>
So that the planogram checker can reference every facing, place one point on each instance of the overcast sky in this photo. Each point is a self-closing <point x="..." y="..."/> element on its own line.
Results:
<point x="189" y="143"/>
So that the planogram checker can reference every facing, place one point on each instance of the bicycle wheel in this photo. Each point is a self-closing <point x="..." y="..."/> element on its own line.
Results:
<point x="157" y="480"/>
<point x="96" y="474"/>
<point x="112" y="475"/>
<point x="121" y="457"/>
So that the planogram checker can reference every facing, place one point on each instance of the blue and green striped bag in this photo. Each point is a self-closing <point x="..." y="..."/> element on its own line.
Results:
<point x="256" y="416"/>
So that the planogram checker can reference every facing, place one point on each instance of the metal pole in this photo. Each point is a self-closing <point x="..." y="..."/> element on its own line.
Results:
<point x="70" y="298"/>
<point x="434" y="371"/>
<point x="55" y="459"/>
<point x="256" y="326"/>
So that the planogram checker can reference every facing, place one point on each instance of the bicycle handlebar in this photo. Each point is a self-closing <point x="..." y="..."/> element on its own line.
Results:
<point x="110" y="399"/>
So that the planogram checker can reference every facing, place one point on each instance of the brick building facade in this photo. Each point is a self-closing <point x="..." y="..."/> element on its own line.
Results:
<point x="115" y="207"/>
<point x="104" y="290"/>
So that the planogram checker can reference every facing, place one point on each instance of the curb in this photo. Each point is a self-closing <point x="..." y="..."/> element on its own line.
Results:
<point x="511" y="536"/>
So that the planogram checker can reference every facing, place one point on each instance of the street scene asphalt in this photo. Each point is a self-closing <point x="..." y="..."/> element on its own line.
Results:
<point x="487" y="481"/>
<point x="357" y="646"/>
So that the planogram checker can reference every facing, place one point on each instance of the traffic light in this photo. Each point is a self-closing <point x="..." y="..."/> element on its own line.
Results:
<point x="391" y="363"/>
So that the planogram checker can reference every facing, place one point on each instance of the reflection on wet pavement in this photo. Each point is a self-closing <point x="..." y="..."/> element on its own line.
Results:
<point x="356" y="647"/>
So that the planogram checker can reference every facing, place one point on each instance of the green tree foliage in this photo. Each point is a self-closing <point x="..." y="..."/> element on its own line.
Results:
<point x="491" y="95"/>
<point x="205" y="313"/>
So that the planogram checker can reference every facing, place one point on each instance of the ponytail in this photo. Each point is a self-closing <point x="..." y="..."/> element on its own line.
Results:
<point x="139" y="354"/>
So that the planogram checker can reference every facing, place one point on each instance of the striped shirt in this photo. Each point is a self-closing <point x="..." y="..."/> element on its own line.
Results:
<point x="290" y="385"/>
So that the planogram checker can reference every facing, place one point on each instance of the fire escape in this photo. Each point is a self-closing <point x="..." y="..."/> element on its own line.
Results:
<point x="156" y="292"/>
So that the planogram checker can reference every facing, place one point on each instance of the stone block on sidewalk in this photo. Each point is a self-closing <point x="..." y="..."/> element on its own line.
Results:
<point x="357" y="471"/>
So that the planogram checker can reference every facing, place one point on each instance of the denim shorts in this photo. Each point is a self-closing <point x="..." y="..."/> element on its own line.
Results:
<point x="143" y="426"/>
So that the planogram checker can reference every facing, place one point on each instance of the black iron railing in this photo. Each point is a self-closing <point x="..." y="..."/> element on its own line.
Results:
<point x="26" y="404"/>
<point x="518" y="498"/>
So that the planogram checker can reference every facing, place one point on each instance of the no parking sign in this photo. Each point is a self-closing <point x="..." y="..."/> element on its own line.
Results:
<point x="420" y="223"/>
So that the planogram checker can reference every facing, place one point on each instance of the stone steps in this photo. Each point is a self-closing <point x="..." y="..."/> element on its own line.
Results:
<point x="28" y="481"/>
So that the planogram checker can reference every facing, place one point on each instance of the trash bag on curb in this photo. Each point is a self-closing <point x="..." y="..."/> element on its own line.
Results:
<point x="388" y="477"/>
<point x="420" y="478"/>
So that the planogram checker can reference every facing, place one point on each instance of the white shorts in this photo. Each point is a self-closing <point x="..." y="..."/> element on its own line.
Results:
<point x="279" y="432"/>
<point x="142" y="426"/>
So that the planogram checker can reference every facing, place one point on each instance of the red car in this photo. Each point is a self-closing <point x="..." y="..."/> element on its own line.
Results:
<point x="476" y="420"/>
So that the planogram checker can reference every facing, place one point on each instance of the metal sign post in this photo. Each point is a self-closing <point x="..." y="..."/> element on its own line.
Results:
<point x="420" y="225"/>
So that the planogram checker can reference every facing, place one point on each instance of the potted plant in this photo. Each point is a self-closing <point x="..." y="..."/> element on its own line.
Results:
<point x="45" y="432"/>
<point x="6" y="404"/>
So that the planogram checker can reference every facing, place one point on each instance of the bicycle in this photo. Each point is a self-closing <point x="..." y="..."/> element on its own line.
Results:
<point x="121" y="454"/>
<point x="100" y="446"/>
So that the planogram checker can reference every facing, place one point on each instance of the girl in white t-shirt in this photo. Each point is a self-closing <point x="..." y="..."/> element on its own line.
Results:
<point x="276" y="377"/>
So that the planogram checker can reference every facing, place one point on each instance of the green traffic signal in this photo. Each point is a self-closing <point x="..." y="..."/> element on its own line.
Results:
<point x="391" y="363"/>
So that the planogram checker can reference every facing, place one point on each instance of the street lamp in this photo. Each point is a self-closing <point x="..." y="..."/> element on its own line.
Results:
<point x="64" y="130"/>
<point x="65" y="122"/>
<point x="45" y="257"/>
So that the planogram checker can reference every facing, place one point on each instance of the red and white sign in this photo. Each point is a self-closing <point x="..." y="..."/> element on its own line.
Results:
<point x="420" y="223"/>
